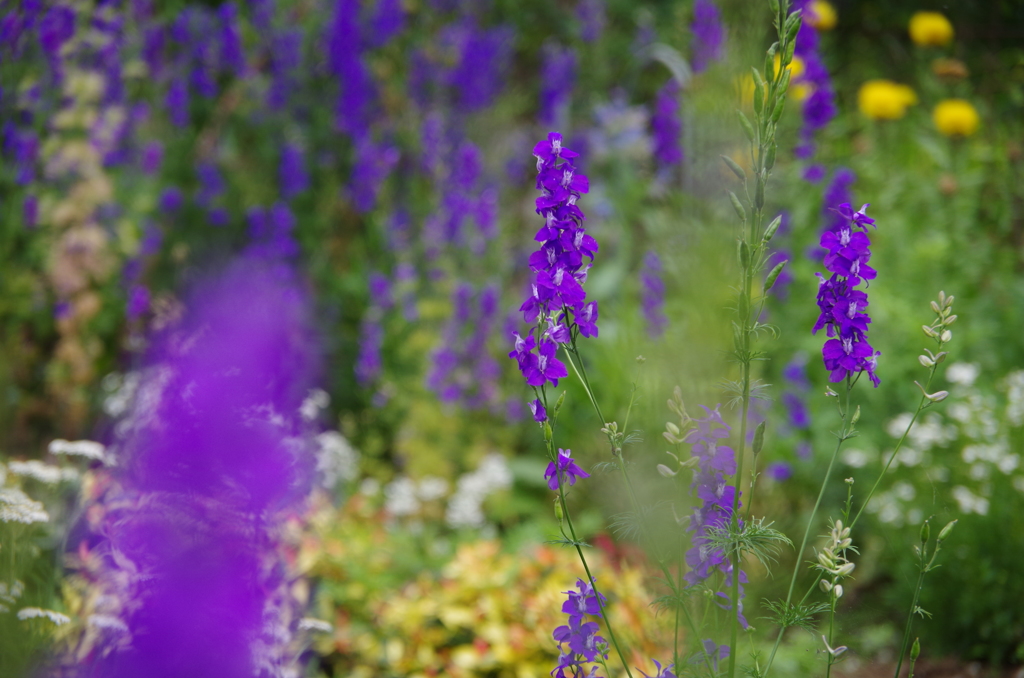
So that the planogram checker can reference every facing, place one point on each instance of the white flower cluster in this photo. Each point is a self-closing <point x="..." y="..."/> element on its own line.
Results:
<point x="9" y="595"/>
<point x="39" y="613"/>
<point x="336" y="459"/>
<point x="44" y="473"/>
<point x="18" y="507"/>
<point x="465" y="508"/>
<point x="78" y="448"/>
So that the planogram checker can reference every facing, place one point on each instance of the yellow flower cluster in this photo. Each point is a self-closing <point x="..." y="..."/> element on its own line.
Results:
<point x="956" y="118"/>
<point x="930" y="29"/>
<point x="885" y="99"/>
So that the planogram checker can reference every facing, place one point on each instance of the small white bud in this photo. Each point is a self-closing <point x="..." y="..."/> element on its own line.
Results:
<point x="938" y="396"/>
<point x="929" y="331"/>
<point x="672" y="428"/>
<point x="825" y="585"/>
<point x="666" y="471"/>
<point x="845" y="569"/>
<point x="946" y="336"/>
<point x="925" y="360"/>
<point x="838" y="591"/>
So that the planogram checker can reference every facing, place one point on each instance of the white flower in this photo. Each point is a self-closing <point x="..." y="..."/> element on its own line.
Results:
<point x="963" y="374"/>
<point x="432" y="487"/>
<point x="336" y="459"/>
<point x="106" y="621"/>
<point x="969" y="502"/>
<point x="314" y="402"/>
<point x="400" y="497"/>
<point x="37" y="612"/>
<point x="44" y="473"/>
<point x="855" y="457"/>
<point x="80" y="448"/>
<point x="311" y="624"/>
<point x="898" y="425"/>
<point x="18" y="507"/>
<point x="465" y="505"/>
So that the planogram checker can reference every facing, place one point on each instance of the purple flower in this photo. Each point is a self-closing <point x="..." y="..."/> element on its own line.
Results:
<point x="584" y="645"/>
<point x="373" y="164"/>
<point x="558" y="266"/>
<point x="30" y="211"/>
<point x="345" y="58"/>
<point x="540" y="414"/>
<point x="483" y="56"/>
<point x="565" y="471"/>
<point x="558" y="72"/>
<point x="842" y="306"/>
<point x="591" y="15"/>
<point x="211" y="183"/>
<point x="368" y="363"/>
<point x="208" y="468"/>
<point x="285" y="60"/>
<point x="387" y="22"/>
<point x="232" y="55"/>
<point x="652" y="295"/>
<point x="292" y="174"/>
<point x="665" y="672"/>
<point x="177" y="102"/>
<point x="171" y="199"/>
<point x="138" y="301"/>
<point x="666" y="126"/>
<point x="779" y="471"/>
<point x="463" y="369"/>
<point x="708" y="34"/>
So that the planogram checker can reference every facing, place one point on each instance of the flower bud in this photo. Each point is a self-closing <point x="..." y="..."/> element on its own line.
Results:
<point x="826" y="561"/>
<point x="944" y="533"/>
<point x="935" y="307"/>
<point x="734" y="166"/>
<point x="925" y="360"/>
<point x="559" y="515"/>
<point x="856" y="416"/>
<point x="846" y="543"/>
<point x="758" y="438"/>
<point x="558" y="403"/>
<point x="672" y="428"/>
<point x="845" y="569"/>
<point x="929" y="331"/>
<point x="946" y="336"/>
<point x="825" y="585"/>
<point x="915" y="650"/>
<point x="548" y="433"/>
<point x="950" y="320"/>
<point x="769" y="232"/>
<point x="925" y="532"/>
<point x="666" y="471"/>
<point x="838" y="591"/>
<point x="938" y="396"/>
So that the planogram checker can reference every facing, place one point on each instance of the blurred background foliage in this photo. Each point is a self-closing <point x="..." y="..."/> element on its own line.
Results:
<point x="392" y="162"/>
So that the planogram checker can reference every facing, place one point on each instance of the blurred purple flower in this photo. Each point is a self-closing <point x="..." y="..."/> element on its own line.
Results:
<point x="171" y="199"/>
<point x="285" y="60"/>
<point x="138" y="302"/>
<point x="652" y="294"/>
<point x="779" y="471"/>
<point x="387" y="21"/>
<point x="177" y="102"/>
<point x="292" y="174"/>
<point x="209" y="466"/>
<point x="483" y="58"/>
<point x="30" y="211"/>
<point x="152" y="157"/>
<point x="666" y="126"/>
<point x="232" y="54"/>
<point x="708" y="35"/>
<point x="557" y="76"/>
<point x="591" y="15"/>
<point x="373" y="164"/>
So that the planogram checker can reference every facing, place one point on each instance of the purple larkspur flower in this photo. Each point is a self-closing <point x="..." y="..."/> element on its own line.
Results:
<point x="652" y="294"/>
<point x="666" y="126"/>
<point x="373" y="163"/>
<point x="842" y="306"/>
<point x="346" y="61"/>
<point x="591" y="15"/>
<point x="292" y="174"/>
<point x="779" y="471"/>
<point x="138" y="302"/>
<point x="558" y="266"/>
<point x="663" y="672"/>
<point x="463" y="369"/>
<point x="232" y="54"/>
<point x="557" y="75"/>
<point x="177" y="102"/>
<point x="708" y="35"/>
<point x="171" y="199"/>
<point x="212" y="464"/>
<point x="56" y="27"/>
<point x="285" y="60"/>
<point x="483" y="59"/>
<point x="540" y="413"/>
<point x="387" y="21"/>
<point x="211" y="183"/>
<point x="565" y="471"/>
<point x="152" y="157"/>
<point x="578" y="642"/>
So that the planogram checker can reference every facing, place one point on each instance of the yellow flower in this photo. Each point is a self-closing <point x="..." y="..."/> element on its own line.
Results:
<point x="796" y="66"/>
<point x="930" y="29"/>
<point x="885" y="99"/>
<point x="956" y="118"/>
<point x="821" y="15"/>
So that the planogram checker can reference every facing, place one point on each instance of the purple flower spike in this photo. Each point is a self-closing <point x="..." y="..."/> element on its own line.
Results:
<point x="708" y="34"/>
<point x="557" y="301"/>
<point x="842" y="305"/>
<point x="566" y="471"/>
<point x="580" y="635"/>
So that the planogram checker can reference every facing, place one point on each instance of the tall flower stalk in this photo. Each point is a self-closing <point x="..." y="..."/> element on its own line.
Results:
<point x="769" y="100"/>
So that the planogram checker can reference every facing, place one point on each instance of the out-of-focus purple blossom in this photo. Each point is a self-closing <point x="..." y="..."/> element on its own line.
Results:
<point x="56" y="27"/>
<point x="422" y="78"/>
<point x="819" y="108"/>
<point x="796" y="410"/>
<point x="211" y="183"/>
<point x="154" y="38"/>
<point x="219" y="216"/>
<point x="463" y="369"/>
<point x="814" y="172"/>
<point x="26" y="152"/>
<point x="262" y="13"/>
<point x="621" y="131"/>
<point x="708" y="35"/>
<point x="715" y="653"/>
<point x="387" y="21"/>
<point x="232" y="54"/>
<point x="558" y="266"/>
<point x="380" y="291"/>
<point x="373" y="164"/>
<point x="837" y="193"/>
<point x="209" y="467"/>
<point x="284" y="63"/>
<point x="667" y="127"/>
<point x="345" y="58"/>
<point x="152" y="157"/>
<point x="30" y="211"/>
<point x="271" y="232"/>
<point x="292" y="174"/>
<point x="371" y="341"/>
<point x="591" y="15"/>
<point x="714" y="462"/>
<point x="779" y="471"/>
<point x="483" y="56"/>
<point x="152" y="239"/>
<point x="663" y="672"/>
<point x="557" y="76"/>
<point x="652" y="295"/>
<point x="177" y="102"/>
<point x="138" y="302"/>
<point x="171" y="199"/>
<point x="842" y="306"/>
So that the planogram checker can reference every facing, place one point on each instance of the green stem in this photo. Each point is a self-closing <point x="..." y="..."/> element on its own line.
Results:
<point x="910" y="617"/>
<point x="843" y="435"/>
